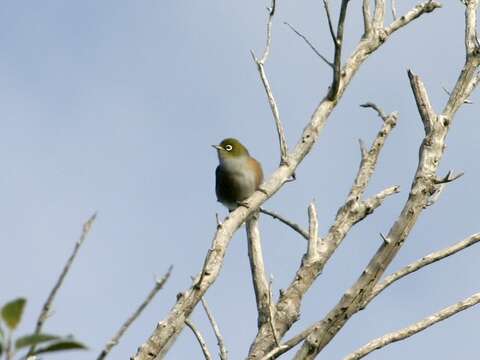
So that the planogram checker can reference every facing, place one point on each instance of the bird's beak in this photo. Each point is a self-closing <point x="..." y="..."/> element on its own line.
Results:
<point x="217" y="147"/>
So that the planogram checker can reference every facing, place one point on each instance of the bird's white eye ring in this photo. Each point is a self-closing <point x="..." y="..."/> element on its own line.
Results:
<point x="228" y="147"/>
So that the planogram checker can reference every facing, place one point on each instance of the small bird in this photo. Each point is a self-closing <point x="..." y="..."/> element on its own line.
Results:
<point x="238" y="175"/>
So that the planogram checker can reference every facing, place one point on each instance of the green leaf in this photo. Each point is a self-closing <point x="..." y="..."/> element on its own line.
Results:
<point x="61" y="346"/>
<point x="2" y="339"/>
<point x="12" y="312"/>
<point x="33" y="339"/>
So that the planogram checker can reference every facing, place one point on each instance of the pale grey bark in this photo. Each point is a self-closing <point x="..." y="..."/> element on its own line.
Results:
<point x="286" y="310"/>
<point x="159" y="283"/>
<point x="46" y="308"/>
<point x="354" y="210"/>
<point x="257" y="268"/>
<point x="200" y="339"/>
<point x="287" y="222"/>
<point x="415" y="328"/>
<point x="423" y="186"/>
<point x="268" y="89"/>
<point x="421" y="263"/>
<point x="221" y="343"/>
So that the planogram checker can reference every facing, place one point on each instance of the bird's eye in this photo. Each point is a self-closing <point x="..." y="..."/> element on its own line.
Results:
<point x="228" y="147"/>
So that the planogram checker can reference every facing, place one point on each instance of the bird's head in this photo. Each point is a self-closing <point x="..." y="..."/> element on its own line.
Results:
<point x="230" y="148"/>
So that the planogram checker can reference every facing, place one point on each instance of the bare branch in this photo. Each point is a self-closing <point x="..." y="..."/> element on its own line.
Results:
<point x="448" y="178"/>
<point x="367" y="18"/>
<point x="424" y="261"/>
<point x="353" y="211"/>
<point x="287" y="345"/>
<point x="466" y="101"/>
<point x="414" y="328"/>
<point x="268" y="90"/>
<point x="394" y="9"/>
<point x="165" y="333"/>
<point x="287" y="222"/>
<point x="338" y="49"/>
<point x="425" y="109"/>
<point x="419" y="10"/>
<point x="159" y="283"/>
<point x="45" y="312"/>
<point x="330" y="23"/>
<point x="440" y="186"/>
<point x="471" y="40"/>
<point x="376" y="108"/>
<point x="271" y="12"/>
<point x="369" y="162"/>
<point x="221" y="343"/>
<point x="309" y="44"/>
<point x="377" y="200"/>
<point x="431" y="152"/>
<point x="271" y="312"/>
<point x="257" y="267"/>
<point x="201" y="341"/>
<point x="379" y="14"/>
<point x="312" y="252"/>
<point x="469" y="77"/>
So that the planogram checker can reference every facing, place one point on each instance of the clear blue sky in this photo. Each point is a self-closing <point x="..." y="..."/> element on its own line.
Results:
<point x="111" y="106"/>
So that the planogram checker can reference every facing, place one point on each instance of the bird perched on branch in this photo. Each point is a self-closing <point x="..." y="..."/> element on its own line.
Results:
<point x="238" y="174"/>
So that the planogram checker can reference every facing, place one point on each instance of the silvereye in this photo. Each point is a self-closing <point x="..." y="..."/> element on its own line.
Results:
<point x="238" y="175"/>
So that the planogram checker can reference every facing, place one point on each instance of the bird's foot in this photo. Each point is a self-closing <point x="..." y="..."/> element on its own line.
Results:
<point x="243" y="203"/>
<point x="262" y="190"/>
<point x="219" y="222"/>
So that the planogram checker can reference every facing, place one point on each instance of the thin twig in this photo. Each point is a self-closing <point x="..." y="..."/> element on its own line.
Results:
<point x="268" y="89"/>
<point x="271" y="312"/>
<point x="338" y="50"/>
<point x="414" y="328"/>
<point x="337" y="41"/>
<point x="221" y="343"/>
<point x="440" y="186"/>
<point x="271" y="12"/>
<point x="329" y="63"/>
<point x="312" y="251"/>
<point x="424" y="261"/>
<point x="385" y="240"/>
<point x="287" y="222"/>
<point x="45" y="312"/>
<point x="376" y="108"/>
<point x="466" y="101"/>
<point x="330" y="23"/>
<point x="201" y="341"/>
<point x="289" y="344"/>
<point x="394" y="9"/>
<point x="159" y="283"/>
<point x="448" y="178"/>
